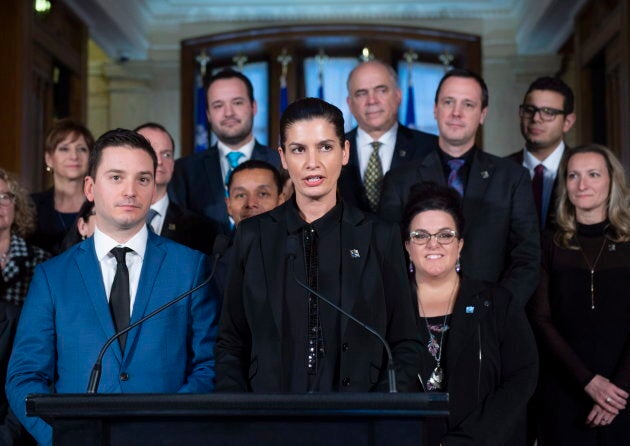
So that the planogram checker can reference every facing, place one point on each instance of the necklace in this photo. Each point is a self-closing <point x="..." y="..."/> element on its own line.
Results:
<point x="591" y="267"/>
<point x="437" y="376"/>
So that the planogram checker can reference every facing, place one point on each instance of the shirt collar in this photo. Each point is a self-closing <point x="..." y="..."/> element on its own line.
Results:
<point x="103" y="243"/>
<point x="161" y="205"/>
<point x="295" y="222"/>
<point x="387" y="139"/>
<point x="247" y="149"/>
<point x="551" y="163"/>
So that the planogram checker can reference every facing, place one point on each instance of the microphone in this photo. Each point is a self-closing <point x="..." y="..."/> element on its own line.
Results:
<point x="292" y="248"/>
<point x="220" y="245"/>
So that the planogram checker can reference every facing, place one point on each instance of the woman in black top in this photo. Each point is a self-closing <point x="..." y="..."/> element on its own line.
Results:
<point x="66" y="152"/>
<point x="581" y="310"/>
<point x="478" y="346"/>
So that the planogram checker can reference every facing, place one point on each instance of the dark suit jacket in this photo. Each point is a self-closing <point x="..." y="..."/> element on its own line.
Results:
<point x="198" y="184"/>
<point x="373" y="288"/>
<point x="410" y="145"/>
<point x="9" y="315"/>
<point x="189" y="229"/>
<point x="550" y="222"/>
<point x="51" y="229"/>
<point x="491" y="366"/>
<point x="501" y="236"/>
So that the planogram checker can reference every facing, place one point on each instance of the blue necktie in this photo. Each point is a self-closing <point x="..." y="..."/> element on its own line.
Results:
<point x="454" y="180"/>
<point x="233" y="159"/>
<point x="149" y="218"/>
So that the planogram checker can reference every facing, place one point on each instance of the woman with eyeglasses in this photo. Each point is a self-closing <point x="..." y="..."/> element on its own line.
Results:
<point x="580" y="312"/>
<point x="66" y="152"/>
<point x="477" y="346"/>
<point x="17" y="264"/>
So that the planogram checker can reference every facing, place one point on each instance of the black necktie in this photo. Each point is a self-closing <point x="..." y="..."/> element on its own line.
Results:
<point x="119" y="299"/>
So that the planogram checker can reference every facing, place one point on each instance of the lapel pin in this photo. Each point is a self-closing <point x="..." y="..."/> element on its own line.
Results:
<point x="612" y="247"/>
<point x="171" y="226"/>
<point x="470" y="310"/>
<point x="354" y="253"/>
<point x="402" y="153"/>
<point x="485" y="175"/>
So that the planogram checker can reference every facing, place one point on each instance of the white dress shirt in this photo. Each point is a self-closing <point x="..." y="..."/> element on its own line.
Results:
<point x="385" y="152"/>
<point x="160" y="207"/>
<point x="103" y="244"/>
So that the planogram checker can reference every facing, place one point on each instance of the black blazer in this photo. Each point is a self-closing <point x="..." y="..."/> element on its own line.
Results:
<point x="410" y="145"/>
<point x="373" y="288"/>
<point x="491" y="367"/>
<point x="550" y="222"/>
<point x="190" y="229"/>
<point x="501" y="235"/>
<point x="198" y="184"/>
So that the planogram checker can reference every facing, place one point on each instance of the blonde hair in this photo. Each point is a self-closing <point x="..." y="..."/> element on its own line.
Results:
<point x="24" y="220"/>
<point x="618" y="211"/>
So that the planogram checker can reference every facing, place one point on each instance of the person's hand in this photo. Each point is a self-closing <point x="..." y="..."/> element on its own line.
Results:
<point x="610" y="397"/>
<point x="599" y="416"/>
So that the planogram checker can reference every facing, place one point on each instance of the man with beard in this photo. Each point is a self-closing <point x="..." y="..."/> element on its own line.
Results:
<point x="199" y="180"/>
<point x="546" y="115"/>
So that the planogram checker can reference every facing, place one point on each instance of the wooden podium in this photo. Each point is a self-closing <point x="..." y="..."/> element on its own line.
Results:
<point x="239" y="419"/>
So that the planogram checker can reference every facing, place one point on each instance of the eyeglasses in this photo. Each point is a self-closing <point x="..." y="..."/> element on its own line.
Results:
<point x="546" y="113"/>
<point x="443" y="237"/>
<point x="7" y="198"/>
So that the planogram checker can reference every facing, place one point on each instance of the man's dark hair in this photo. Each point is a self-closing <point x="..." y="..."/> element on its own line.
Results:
<point x="257" y="164"/>
<point x="155" y="126"/>
<point x="549" y="83"/>
<point x="308" y="109"/>
<point x="462" y="72"/>
<point x="430" y="196"/>
<point x="119" y="138"/>
<point x="229" y="73"/>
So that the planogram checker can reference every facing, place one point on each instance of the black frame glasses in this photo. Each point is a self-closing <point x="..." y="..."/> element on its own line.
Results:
<point x="444" y="237"/>
<point x="546" y="113"/>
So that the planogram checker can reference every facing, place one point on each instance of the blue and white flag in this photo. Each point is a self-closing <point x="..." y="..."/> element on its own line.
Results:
<point x="201" y="122"/>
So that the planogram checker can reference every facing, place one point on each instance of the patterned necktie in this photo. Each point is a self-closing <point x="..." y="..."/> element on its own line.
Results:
<point x="454" y="180"/>
<point x="149" y="218"/>
<point x="119" y="299"/>
<point x="373" y="179"/>
<point x="537" y="187"/>
<point x="233" y="159"/>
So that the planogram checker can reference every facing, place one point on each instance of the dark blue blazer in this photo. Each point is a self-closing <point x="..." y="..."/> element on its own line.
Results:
<point x="410" y="145"/>
<point x="198" y="183"/>
<point x="66" y="320"/>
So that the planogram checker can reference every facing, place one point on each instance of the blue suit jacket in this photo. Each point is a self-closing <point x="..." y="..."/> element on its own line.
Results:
<point x="66" y="320"/>
<point x="198" y="183"/>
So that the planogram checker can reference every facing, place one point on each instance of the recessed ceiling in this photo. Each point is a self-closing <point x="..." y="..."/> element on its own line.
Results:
<point x="123" y="27"/>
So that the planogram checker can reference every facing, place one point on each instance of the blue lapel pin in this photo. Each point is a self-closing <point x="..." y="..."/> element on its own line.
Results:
<point x="354" y="253"/>
<point x="470" y="310"/>
<point x="485" y="175"/>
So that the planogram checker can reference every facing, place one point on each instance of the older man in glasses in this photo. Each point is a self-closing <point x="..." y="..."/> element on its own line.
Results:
<point x="546" y="116"/>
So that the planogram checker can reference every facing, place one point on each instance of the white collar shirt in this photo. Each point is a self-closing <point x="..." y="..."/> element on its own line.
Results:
<point x="385" y="152"/>
<point x="551" y="164"/>
<point x="160" y="207"/>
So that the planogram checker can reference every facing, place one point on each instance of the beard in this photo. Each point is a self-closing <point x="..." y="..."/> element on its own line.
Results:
<point x="234" y="138"/>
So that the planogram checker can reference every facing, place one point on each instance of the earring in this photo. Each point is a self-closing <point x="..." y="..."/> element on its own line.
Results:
<point x="458" y="265"/>
<point x="48" y="169"/>
<point x="83" y="237"/>
<point x="411" y="268"/>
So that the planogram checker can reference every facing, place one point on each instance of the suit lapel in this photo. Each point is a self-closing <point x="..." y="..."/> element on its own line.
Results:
<point x="479" y="178"/>
<point x="430" y="169"/>
<point x="355" y="249"/>
<point x="90" y="271"/>
<point x="273" y="248"/>
<point x="466" y="315"/>
<point x="151" y="264"/>
<point x="403" y="149"/>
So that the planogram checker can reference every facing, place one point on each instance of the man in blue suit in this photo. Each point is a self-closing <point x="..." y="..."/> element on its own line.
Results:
<point x="80" y="298"/>
<point x="199" y="181"/>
